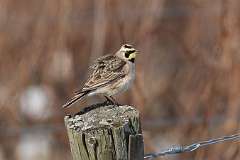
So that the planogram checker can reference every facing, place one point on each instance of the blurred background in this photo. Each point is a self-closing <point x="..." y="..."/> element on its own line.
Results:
<point x="188" y="74"/>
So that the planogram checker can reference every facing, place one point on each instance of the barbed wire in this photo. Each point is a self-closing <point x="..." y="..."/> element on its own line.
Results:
<point x="192" y="147"/>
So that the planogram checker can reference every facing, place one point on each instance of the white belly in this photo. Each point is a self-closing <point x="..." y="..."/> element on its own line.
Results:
<point x="122" y="85"/>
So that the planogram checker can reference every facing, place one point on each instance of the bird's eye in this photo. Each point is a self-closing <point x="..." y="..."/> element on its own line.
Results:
<point x="127" y="54"/>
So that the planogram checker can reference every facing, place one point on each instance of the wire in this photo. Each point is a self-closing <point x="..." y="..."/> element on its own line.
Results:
<point x="192" y="147"/>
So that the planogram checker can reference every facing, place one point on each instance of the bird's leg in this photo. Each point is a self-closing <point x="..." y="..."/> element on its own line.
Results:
<point x="109" y="99"/>
<point x="114" y="101"/>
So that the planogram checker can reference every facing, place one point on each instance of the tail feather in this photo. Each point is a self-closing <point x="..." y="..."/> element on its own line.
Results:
<point x="75" y="99"/>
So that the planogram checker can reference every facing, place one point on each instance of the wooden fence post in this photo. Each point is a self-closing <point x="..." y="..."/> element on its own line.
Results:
<point x="106" y="133"/>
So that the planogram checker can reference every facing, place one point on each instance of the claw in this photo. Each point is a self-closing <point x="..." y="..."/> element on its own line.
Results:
<point x="112" y="100"/>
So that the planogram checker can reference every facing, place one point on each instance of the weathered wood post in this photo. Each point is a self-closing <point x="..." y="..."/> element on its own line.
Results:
<point x="106" y="133"/>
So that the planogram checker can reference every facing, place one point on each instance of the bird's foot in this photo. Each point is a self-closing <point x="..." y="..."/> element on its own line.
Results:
<point x="110" y="100"/>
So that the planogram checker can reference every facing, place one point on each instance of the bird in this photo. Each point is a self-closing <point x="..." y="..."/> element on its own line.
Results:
<point x="111" y="74"/>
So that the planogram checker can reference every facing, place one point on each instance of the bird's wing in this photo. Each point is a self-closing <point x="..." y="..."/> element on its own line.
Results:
<point x="100" y="61"/>
<point x="106" y="70"/>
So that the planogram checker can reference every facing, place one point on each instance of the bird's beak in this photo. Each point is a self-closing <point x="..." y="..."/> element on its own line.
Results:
<point x="137" y="52"/>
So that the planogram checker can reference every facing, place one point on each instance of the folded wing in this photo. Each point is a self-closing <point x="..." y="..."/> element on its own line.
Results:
<point x="106" y="70"/>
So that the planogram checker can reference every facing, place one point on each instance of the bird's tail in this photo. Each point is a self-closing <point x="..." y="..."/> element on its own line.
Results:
<point x="78" y="96"/>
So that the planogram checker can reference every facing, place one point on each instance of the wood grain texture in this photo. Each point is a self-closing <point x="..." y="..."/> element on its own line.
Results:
<point x="136" y="147"/>
<point x="106" y="133"/>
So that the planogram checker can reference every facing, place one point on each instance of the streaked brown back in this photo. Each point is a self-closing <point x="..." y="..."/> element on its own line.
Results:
<point x="106" y="69"/>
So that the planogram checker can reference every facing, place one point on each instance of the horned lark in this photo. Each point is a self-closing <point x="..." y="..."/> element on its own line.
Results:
<point x="111" y="75"/>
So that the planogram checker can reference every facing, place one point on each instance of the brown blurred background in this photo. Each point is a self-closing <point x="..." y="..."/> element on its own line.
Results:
<point x="188" y="73"/>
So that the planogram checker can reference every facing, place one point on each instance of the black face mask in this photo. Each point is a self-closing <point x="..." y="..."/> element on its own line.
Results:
<point x="132" y="60"/>
<point x="127" y="54"/>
